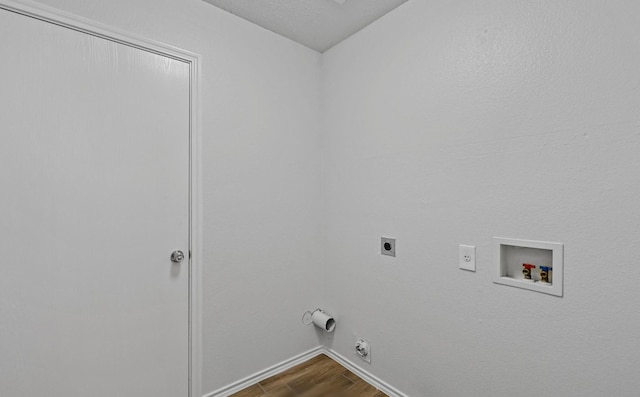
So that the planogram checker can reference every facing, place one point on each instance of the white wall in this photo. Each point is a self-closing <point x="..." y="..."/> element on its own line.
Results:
<point x="261" y="177"/>
<point x="444" y="122"/>
<point x="449" y="122"/>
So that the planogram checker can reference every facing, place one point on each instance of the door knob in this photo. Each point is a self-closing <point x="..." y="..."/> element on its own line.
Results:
<point x="177" y="256"/>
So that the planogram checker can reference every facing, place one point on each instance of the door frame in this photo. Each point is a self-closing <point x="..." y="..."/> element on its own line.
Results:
<point x="84" y="25"/>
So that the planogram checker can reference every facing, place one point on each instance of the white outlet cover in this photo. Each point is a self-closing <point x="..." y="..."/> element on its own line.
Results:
<point x="467" y="260"/>
<point x="363" y="350"/>
<point x="388" y="246"/>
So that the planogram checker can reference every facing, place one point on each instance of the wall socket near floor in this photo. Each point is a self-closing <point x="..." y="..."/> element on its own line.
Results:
<point x="363" y="350"/>
<point x="467" y="259"/>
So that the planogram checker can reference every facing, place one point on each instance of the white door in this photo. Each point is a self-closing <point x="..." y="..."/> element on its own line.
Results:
<point x="94" y="198"/>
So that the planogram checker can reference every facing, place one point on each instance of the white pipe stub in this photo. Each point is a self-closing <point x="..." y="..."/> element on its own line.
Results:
<point x="320" y="319"/>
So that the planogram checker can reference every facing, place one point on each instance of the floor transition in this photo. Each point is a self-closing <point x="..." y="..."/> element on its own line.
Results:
<point x="318" y="377"/>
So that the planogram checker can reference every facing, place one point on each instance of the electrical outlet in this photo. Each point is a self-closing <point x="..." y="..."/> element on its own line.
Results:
<point x="363" y="350"/>
<point x="388" y="246"/>
<point x="468" y="257"/>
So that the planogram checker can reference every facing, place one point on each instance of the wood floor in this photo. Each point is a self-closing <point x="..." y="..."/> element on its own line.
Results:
<point x="318" y="377"/>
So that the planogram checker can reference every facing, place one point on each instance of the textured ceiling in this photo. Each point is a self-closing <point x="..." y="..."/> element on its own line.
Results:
<point x="318" y="24"/>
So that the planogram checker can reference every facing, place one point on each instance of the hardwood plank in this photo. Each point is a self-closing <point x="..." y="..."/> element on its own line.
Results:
<point x="287" y="376"/>
<point x="335" y="387"/>
<point x="317" y="374"/>
<point x="317" y="377"/>
<point x="251" y="391"/>
<point x="282" y="391"/>
<point x="362" y="389"/>
<point x="351" y="376"/>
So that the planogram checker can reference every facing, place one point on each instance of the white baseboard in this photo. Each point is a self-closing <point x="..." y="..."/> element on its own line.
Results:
<point x="364" y="375"/>
<point x="266" y="373"/>
<point x="292" y="362"/>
